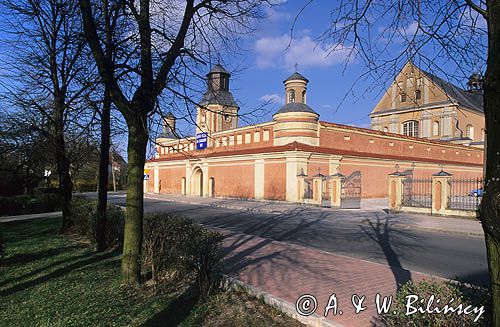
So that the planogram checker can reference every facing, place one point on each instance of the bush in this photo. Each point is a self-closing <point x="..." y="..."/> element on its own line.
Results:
<point x="84" y="221"/>
<point x="177" y="249"/>
<point x="23" y="204"/>
<point x="443" y="291"/>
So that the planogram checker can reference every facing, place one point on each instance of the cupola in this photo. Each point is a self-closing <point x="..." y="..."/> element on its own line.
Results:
<point x="296" y="121"/>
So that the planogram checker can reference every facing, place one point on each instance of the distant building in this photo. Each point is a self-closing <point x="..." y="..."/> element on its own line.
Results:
<point x="420" y="104"/>
<point x="296" y="156"/>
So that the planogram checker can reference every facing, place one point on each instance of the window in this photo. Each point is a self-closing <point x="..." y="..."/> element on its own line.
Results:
<point x="303" y="96"/>
<point x="386" y="129"/>
<point x="418" y="95"/>
<point x="435" y="128"/>
<point x="291" y="96"/>
<point x="410" y="128"/>
<point x="469" y="130"/>
<point x="402" y="97"/>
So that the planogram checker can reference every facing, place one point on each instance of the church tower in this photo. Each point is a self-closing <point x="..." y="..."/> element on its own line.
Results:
<point x="217" y="111"/>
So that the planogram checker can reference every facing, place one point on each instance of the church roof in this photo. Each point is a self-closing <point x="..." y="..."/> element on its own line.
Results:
<point x="222" y="97"/>
<point x="471" y="100"/>
<point x="218" y="69"/>
<point x="296" y="76"/>
<point x="296" y="107"/>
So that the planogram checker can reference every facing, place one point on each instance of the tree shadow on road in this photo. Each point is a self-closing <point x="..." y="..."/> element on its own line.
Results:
<point x="382" y="233"/>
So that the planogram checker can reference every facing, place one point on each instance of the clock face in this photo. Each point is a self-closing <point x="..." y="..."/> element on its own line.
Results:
<point x="227" y="118"/>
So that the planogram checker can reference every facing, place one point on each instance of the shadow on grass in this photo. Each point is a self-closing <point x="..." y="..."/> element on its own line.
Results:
<point x="178" y="310"/>
<point x="25" y="258"/>
<point x="58" y="272"/>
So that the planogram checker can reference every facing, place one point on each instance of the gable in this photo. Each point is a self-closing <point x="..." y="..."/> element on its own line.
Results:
<point x="408" y="81"/>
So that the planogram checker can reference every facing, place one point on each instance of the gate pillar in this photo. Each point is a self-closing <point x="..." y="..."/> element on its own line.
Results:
<point x="440" y="192"/>
<point x="336" y="181"/>
<point x="396" y="190"/>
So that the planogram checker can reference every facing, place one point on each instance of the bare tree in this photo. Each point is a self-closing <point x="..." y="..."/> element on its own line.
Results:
<point x="450" y="37"/>
<point x="48" y="72"/>
<point x="163" y="37"/>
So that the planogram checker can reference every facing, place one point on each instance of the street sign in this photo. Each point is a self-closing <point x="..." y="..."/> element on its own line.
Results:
<point x="201" y="141"/>
<point x="146" y="177"/>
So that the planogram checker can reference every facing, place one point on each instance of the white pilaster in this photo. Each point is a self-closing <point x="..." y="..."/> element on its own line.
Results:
<point x="156" y="179"/>
<point x="259" y="179"/>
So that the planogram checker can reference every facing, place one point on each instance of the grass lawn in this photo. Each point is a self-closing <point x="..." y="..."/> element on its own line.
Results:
<point x="48" y="279"/>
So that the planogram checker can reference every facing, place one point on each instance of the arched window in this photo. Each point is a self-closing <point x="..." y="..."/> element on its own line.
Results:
<point x="469" y="131"/>
<point x="303" y="96"/>
<point x="291" y="96"/>
<point x="410" y="128"/>
<point x="435" y="128"/>
<point x="386" y="129"/>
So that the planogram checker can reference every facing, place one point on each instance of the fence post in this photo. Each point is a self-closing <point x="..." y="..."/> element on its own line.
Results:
<point x="396" y="190"/>
<point x="440" y="192"/>
<point x="300" y="187"/>
<point x="336" y="180"/>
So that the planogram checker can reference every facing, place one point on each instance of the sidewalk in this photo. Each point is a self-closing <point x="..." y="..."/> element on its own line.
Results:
<point x="55" y="214"/>
<point x="288" y="271"/>
<point x="461" y="226"/>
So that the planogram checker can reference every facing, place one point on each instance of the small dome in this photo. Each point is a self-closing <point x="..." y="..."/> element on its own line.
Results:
<point x="218" y="69"/>
<point x="296" y="76"/>
<point x="295" y="107"/>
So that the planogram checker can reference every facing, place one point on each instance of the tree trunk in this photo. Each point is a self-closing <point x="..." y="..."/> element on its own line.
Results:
<point x="137" y="143"/>
<point x="62" y="162"/>
<point x="490" y="205"/>
<point x="102" y="184"/>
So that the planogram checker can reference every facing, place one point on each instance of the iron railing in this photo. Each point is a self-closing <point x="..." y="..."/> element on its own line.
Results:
<point x="417" y="192"/>
<point x="465" y="193"/>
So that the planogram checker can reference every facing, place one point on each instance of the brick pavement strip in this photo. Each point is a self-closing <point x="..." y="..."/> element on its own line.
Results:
<point x="285" y="272"/>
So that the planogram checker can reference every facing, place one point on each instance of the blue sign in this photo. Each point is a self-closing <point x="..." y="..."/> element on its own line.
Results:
<point x="201" y="141"/>
<point x="146" y="177"/>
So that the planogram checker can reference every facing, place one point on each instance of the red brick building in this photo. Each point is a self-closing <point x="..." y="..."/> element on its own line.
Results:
<point x="271" y="160"/>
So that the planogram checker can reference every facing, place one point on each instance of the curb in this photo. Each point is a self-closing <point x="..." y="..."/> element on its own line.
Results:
<point x="315" y="320"/>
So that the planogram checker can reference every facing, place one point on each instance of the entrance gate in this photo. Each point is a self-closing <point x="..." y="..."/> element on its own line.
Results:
<point x="350" y="196"/>
<point x="327" y="191"/>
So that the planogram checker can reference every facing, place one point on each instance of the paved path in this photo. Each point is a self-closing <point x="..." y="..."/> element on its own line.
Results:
<point x="288" y="271"/>
<point x="6" y="219"/>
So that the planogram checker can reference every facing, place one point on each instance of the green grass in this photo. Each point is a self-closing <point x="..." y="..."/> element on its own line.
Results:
<point x="49" y="279"/>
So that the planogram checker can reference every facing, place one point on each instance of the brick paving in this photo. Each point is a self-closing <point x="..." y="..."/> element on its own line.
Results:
<point x="287" y="271"/>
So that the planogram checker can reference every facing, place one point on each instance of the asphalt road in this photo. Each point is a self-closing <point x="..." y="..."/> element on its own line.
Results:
<point x="446" y="255"/>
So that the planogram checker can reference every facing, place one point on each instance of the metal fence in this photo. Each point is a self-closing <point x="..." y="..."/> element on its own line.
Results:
<point x="465" y="193"/>
<point x="417" y="192"/>
<point x="308" y="188"/>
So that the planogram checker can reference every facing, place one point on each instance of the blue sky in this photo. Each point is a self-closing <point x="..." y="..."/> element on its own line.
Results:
<point x="273" y="54"/>
<point x="335" y="89"/>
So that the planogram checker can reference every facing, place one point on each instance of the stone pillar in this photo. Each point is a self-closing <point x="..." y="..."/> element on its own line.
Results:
<point x="188" y="179"/>
<point x="396" y="190"/>
<point x="336" y="181"/>
<point x="300" y="187"/>
<point x="317" y="189"/>
<point x="294" y="165"/>
<point x="440" y="192"/>
<point x="259" y="179"/>
<point x="205" y="189"/>
<point x="156" y="179"/>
